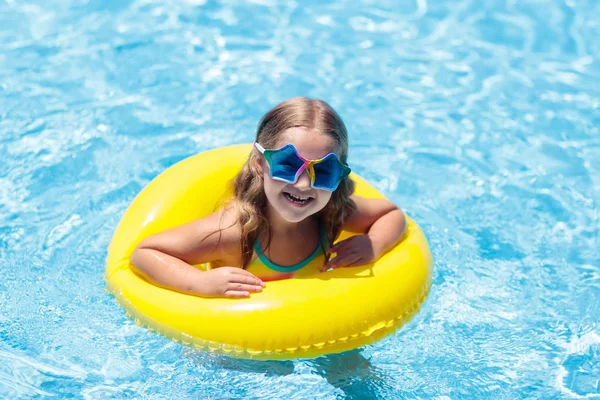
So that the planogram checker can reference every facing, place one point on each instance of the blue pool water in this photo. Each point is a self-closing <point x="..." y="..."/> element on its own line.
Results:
<point x="480" y="119"/>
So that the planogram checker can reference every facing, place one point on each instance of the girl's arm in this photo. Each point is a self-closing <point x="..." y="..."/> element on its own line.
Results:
<point x="381" y="223"/>
<point x="167" y="258"/>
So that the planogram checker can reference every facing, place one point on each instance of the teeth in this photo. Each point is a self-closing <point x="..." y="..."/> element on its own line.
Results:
<point x="297" y="199"/>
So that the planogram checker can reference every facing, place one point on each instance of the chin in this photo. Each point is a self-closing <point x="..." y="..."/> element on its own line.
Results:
<point x="294" y="216"/>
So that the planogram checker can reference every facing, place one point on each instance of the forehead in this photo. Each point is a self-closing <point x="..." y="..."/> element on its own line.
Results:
<point x="309" y="143"/>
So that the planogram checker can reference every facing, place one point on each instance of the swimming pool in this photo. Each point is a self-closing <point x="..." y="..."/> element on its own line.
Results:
<point x="480" y="119"/>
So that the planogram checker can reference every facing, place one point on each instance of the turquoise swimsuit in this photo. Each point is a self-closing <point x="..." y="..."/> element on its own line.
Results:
<point x="267" y="270"/>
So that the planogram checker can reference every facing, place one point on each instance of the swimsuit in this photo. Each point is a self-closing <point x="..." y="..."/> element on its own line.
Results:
<point x="266" y="270"/>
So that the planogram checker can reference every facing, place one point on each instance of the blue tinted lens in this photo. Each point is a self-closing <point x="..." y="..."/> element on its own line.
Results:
<point x="285" y="163"/>
<point x="328" y="173"/>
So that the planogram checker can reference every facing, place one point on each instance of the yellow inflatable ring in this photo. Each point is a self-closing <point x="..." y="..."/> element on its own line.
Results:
<point x="296" y="318"/>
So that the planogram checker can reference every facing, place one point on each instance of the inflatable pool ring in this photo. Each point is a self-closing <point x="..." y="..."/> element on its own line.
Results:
<point x="326" y="313"/>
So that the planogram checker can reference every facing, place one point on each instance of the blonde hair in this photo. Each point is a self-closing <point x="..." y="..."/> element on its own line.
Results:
<point x="248" y="191"/>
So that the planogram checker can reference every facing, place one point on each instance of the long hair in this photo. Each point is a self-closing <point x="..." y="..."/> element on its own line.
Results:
<point x="248" y="191"/>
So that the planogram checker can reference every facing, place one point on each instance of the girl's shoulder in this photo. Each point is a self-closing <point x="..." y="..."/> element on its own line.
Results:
<point x="215" y="237"/>
<point x="218" y="236"/>
<point x="226" y="229"/>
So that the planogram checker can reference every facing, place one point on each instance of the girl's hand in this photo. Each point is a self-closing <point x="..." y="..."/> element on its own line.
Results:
<point x="228" y="282"/>
<point x="354" y="251"/>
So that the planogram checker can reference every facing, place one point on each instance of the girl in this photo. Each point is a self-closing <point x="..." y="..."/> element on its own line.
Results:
<point x="291" y="200"/>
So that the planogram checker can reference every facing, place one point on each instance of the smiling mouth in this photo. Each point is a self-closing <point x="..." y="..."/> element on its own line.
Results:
<point x="297" y="199"/>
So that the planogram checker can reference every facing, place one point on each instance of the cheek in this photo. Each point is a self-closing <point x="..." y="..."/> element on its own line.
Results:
<point x="270" y="184"/>
<point x="324" y="197"/>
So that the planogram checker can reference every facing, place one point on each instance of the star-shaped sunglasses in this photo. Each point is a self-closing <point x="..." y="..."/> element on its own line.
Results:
<point x="286" y="165"/>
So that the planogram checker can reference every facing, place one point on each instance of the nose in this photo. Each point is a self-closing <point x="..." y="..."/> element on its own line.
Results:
<point x="304" y="180"/>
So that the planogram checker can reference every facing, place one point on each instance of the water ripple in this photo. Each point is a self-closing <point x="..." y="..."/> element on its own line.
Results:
<point x="480" y="119"/>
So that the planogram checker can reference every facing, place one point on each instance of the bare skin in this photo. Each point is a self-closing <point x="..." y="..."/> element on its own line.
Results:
<point x="167" y="259"/>
<point x="379" y="223"/>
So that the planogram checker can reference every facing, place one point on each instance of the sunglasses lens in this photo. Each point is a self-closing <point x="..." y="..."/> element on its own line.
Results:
<point x="285" y="164"/>
<point x="328" y="173"/>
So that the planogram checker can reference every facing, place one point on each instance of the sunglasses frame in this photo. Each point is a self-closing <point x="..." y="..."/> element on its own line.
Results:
<point x="307" y="164"/>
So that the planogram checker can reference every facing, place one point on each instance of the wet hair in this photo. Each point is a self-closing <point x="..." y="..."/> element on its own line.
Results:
<point x="248" y="191"/>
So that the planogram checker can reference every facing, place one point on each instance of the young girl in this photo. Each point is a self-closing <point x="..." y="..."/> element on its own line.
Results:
<point x="291" y="200"/>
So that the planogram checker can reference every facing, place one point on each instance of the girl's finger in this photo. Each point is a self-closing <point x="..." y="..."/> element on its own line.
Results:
<point x="340" y="261"/>
<point x="355" y="263"/>
<point x="246" y="277"/>
<point x="248" y="280"/>
<point x="236" y="294"/>
<point x="240" y="287"/>
<point x="337" y="247"/>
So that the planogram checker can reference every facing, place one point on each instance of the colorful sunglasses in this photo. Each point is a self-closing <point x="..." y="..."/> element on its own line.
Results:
<point x="286" y="165"/>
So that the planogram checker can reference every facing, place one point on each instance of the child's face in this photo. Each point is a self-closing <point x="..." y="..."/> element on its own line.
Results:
<point x="310" y="145"/>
